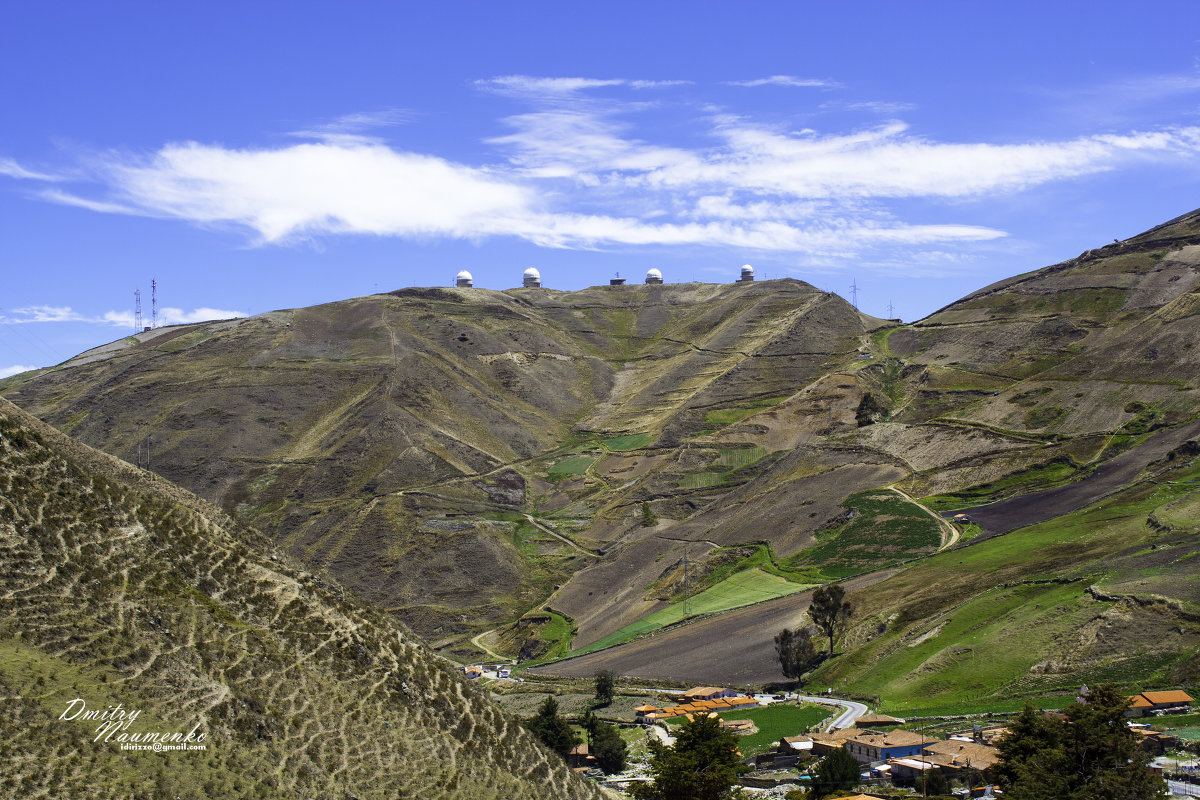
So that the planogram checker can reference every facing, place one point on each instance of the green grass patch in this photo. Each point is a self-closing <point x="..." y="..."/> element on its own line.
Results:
<point x="728" y="416"/>
<point x="742" y="589"/>
<point x="701" y="480"/>
<point x="1058" y="472"/>
<point x="879" y="528"/>
<point x="573" y="466"/>
<point x="630" y="442"/>
<point x="774" y="722"/>
<point x="738" y="457"/>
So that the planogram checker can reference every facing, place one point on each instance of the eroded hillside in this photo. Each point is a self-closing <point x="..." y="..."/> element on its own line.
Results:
<point x="119" y="589"/>
<point x="532" y="471"/>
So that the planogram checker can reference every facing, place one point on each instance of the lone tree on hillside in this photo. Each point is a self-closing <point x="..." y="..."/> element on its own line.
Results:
<point x="605" y="687"/>
<point x="648" y="518"/>
<point x="1091" y="754"/>
<point x="703" y="764"/>
<point x="830" y="611"/>
<point x="796" y="651"/>
<point x="551" y="729"/>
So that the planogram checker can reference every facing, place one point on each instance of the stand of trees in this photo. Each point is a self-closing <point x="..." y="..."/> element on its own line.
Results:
<point x="703" y="765"/>
<point x="1089" y="755"/>
<point x="553" y="731"/>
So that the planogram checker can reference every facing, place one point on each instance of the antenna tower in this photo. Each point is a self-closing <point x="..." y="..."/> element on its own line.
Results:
<point x="137" y="310"/>
<point x="853" y="293"/>
<point x="153" y="303"/>
<point x="891" y="310"/>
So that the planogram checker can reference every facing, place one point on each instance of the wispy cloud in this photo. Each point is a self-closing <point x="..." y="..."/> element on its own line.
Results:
<point x="15" y="369"/>
<point x="577" y="170"/>
<point x="166" y="316"/>
<point x="12" y="169"/>
<point x="787" y="80"/>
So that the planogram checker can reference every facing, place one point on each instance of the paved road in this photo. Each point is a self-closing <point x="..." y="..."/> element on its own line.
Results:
<point x="851" y="710"/>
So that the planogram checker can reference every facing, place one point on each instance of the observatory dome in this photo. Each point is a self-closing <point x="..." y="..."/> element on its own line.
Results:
<point x="532" y="273"/>
<point x="747" y="273"/>
<point x="653" y="276"/>
<point x="464" y="280"/>
<point x="532" y="278"/>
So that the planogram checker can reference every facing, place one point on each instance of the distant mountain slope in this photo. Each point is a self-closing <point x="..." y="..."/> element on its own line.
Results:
<point x="118" y="588"/>
<point x="390" y="439"/>
<point x="556" y="470"/>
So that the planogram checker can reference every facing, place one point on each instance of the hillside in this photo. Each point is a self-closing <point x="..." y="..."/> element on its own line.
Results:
<point x="120" y="589"/>
<point x="538" y="471"/>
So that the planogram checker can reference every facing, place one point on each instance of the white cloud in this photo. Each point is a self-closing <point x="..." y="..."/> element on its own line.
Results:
<point x="12" y="169"/>
<point x="787" y="80"/>
<point x="15" y="369"/>
<point x="166" y="316"/>
<point x="577" y="171"/>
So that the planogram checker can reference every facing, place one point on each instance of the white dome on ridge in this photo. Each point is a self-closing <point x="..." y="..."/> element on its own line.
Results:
<point x="532" y="273"/>
<point x="654" y="273"/>
<point x="463" y="276"/>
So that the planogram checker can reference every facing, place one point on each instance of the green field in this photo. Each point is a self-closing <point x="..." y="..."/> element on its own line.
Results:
<point x="631" y="442"/>
<point x="880" y="528"/>
<point x="774" y="722"/>
<point x="573" y="466"/>
<point x="742" y="589"/>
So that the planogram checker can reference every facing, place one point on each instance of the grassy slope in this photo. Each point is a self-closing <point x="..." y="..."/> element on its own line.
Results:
<point x="116" y="587"/>
<point x="1012" y="616"/>
<point x="741" y="589"/>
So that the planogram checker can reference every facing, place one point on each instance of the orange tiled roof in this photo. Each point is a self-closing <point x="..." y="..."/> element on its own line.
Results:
<point x="1164" y="698"/>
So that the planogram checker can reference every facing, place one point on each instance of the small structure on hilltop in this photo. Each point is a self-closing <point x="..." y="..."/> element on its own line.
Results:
<point x="654" y="276"/>
<point x="617" y="281"/>
<point x="532" y="279"/>
<point x="747" y="274"/>
<point x="464" y="280"/>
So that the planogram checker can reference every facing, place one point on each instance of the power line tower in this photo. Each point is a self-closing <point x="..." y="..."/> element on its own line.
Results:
<point x="853" y="293"/>
<point x="891" y="310"/>
<point x="687" y="595"/>
<point x="137" y="310"/>
<point x="153" y="303"/>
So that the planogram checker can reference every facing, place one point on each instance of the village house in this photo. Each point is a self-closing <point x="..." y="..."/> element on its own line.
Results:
<point x="876" y="721"/>
<point x="707" y="693"/>
<point x="647" y="714"/>
<point x="872" y="746"/>
<point x="1171" y="702"/>
<point x="824" y="743"/>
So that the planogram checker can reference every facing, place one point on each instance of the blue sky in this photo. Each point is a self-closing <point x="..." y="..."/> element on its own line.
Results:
<point x="255" y="156"/>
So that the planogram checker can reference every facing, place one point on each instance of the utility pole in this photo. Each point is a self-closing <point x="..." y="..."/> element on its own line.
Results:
<point x="137" y="310"/>
<point x="853" y="293"/>
<point x="153" y="304"/>
<point x="687" y="597"/>
<point x="891" y="310"/>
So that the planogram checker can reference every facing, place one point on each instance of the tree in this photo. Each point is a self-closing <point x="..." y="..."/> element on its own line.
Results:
<point x="1089" y="753"/>
<point x="796" y="651"/>
<point x="934" y="783"/>
<point x="830" y="611"/>
<point x="648" y="518"/>
<point x="838" y="770"/>
<point x="703" y="764"/>
<point x="609" y="748"/>
<point x="604" y="687"/>
<point x="551" y="729"/>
